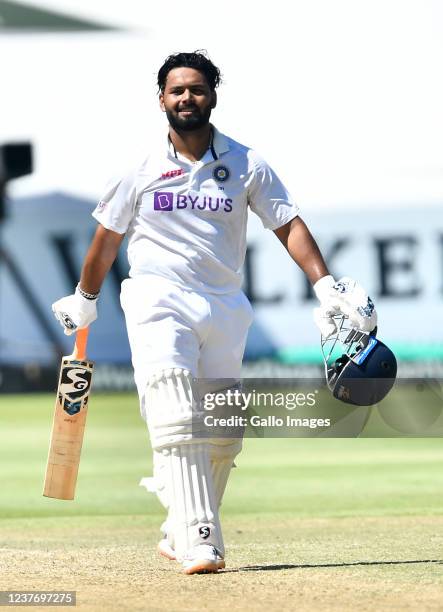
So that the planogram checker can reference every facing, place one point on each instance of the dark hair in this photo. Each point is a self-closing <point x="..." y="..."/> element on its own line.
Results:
<point x="198" y="60"/>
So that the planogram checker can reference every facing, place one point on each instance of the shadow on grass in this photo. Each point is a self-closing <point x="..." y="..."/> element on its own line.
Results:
<point x="285" y="566"/>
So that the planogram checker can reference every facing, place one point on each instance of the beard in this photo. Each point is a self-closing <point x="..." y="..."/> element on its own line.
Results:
<point x="188" y="124"/>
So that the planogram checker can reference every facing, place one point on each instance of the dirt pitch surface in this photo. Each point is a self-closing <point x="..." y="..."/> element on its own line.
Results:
<point x="365" y="564"/>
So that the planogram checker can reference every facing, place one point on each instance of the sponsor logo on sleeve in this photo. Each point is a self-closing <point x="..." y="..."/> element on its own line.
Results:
<point x="101" y="206"/>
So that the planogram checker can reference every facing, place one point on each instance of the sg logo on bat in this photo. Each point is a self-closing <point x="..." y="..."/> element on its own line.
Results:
<point x="75" y="383"/>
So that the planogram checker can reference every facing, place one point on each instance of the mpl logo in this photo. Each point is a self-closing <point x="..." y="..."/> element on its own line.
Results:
<point x="163" y="200"/>
<point x="173" y="173"/>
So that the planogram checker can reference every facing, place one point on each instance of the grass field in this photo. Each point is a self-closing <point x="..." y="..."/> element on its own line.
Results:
<point x="310" y="524"/>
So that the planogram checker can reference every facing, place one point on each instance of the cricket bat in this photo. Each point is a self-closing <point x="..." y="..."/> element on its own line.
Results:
<point x="71" y="407"/>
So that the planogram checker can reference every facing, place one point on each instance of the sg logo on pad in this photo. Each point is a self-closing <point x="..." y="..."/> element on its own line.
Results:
<point x="163" y="200"/>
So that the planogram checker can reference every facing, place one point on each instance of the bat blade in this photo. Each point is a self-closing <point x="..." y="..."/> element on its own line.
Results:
<point x="71" y="408"/>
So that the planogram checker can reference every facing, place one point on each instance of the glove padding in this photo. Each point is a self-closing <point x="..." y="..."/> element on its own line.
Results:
<point x="74" y="312"/>
<point x="344" y="297"/>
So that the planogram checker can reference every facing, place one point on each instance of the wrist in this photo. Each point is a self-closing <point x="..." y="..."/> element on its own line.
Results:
<point x="323" y="286"/>
<point x="91" y="297"/>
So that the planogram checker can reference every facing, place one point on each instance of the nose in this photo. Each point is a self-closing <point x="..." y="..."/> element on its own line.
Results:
<point x="187" y="95"/>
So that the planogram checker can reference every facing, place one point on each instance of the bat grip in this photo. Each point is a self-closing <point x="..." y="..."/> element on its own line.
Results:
<point x="81" y="341"/>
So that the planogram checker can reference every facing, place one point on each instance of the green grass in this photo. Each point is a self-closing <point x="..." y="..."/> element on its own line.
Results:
<point x="294" y="477"/>
<point x="310" y="524"/>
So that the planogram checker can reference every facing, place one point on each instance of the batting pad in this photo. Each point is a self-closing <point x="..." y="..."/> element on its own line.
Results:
<point x="193" y="511"/>
<point x="171" y="404"/>
<point x="222" y="454"/>
<point x="182" y="466"/>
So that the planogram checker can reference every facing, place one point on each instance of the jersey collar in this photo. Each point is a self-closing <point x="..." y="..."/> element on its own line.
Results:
<point x="219" y="142"/>
<point x="217" y="145"/>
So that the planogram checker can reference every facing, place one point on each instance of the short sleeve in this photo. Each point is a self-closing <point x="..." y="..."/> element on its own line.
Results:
<point x="268" y="197"/>
<point x="116" y="208"/>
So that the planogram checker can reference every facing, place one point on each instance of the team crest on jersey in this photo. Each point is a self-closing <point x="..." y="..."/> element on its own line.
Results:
<point x="221" y="174"/>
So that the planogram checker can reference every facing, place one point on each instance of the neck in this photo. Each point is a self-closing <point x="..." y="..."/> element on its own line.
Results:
<point x="194" y="144"/>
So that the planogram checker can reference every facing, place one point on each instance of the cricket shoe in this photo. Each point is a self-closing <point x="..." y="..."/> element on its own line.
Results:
<point x="166" y="550"/>
<point x="202" y="559"/>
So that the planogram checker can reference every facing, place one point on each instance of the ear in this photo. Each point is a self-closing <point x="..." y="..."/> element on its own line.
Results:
<point x="214" y="99"/>
<point x="161" y="102"/>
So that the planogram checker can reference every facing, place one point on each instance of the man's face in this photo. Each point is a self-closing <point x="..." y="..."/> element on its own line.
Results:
<point x="187" y="99"/>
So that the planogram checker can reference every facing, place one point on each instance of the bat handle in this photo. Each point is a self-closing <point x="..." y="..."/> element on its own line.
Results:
<point x="81" y="341"/>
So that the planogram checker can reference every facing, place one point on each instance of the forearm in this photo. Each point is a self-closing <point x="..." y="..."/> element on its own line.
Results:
<point x="303" y="249"/>
<point x="93" y="273"/>
<point x="99" y="259"/>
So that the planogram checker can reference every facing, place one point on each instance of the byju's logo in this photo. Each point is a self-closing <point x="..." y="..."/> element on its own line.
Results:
<point x="168" y="201"/>
<point x="163" y="200"/>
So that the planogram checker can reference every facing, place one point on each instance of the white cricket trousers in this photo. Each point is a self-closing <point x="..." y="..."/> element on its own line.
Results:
<point x="175" y="333"/>
<point x="172" y="327"/>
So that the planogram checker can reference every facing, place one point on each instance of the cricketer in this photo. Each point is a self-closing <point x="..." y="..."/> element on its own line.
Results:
<point x="184" y="211"/>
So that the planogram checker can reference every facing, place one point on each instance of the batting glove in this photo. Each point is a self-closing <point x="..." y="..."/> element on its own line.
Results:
<point x="344" y="297"/>
<point x="75" y="312"/>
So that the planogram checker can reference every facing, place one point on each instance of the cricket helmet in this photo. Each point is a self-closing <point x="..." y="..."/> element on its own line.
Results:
<point x="365" y="372"/>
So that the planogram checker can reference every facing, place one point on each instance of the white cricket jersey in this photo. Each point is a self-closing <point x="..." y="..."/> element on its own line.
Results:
<point x="186" y="221"/>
